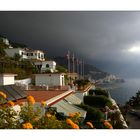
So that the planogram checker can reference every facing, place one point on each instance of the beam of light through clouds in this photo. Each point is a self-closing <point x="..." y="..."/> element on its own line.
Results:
<point x="135" y="49"/>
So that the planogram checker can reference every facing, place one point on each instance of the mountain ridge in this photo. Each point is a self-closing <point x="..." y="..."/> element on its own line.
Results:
<point x="89" y="69"/>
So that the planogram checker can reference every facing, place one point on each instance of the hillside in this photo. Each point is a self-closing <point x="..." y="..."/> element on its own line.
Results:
<point x="23" y="69"/>
<point x="90" y="70"/>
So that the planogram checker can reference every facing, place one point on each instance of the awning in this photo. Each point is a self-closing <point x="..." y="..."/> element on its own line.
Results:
<point x="73" y="99"/>
<point x="66" y="108"/>
<point x="79" y="95"/>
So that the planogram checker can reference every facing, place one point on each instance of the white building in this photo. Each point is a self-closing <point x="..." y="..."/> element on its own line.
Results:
<point x="7" y="79"/>
<point x="35" y="54"/>
<point x="12" y="51"/>
<point x="5" y="41"/>
<point x="26" y="53"/>
<point x="46" y="65"/>
<point x="51" y="79"/>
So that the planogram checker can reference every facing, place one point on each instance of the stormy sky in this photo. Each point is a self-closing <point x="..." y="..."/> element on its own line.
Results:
<point x="107" y="39"/>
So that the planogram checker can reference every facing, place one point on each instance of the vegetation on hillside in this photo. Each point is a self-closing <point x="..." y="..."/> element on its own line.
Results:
<point x="23" y="68"/>
<point x="101" y="106"/>
<point x="97" y="101"/>
<point x="18" y="45"/>
<point x="61" y="69"/>
<point x="134" y="101"/>
<point x="81" y="83"/>
<point x="2" y="47"/>
<point x="89" y="70"/>
<point x="98" y="92"/>
<point x="93" y="115"/>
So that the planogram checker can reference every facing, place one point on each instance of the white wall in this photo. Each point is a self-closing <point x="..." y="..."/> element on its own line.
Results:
<point x="9" y="80"/>
<point x="6" y="41"/>
<point x="36" y="55"/>
<point x="12" y="51"/>
<point x="41" y="80"/>
<point x="23" y="54"/>
<point x="52" y="65"/>
<point x="23" y="81"/>
<point x="49" y="79"/>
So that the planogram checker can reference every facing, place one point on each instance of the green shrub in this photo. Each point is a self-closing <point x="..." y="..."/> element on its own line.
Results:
<point x="81" y="82"/>
<point x="93" y="115"/>
<point x="91" y="91"/>
<point x="101" y="92"/>
<point x="97" y="101"/>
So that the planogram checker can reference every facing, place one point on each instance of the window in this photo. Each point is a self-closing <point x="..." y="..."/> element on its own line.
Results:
<point x="47" y="66"/>
<point x="38" y="55"/>
<point x="42" y="56"/>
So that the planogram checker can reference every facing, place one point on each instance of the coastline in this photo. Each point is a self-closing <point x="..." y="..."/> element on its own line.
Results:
<point x="121" y="116"/>
<point x="114" y="102"/>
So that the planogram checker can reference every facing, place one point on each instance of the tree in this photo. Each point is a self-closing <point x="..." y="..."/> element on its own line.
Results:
<point x="17" y="57"/>
<point x="134" y="101"/>
<point x="61" y="69"/>
<point x="93" y="115"/>
<point x="18" y="45"/>
<point x="2" y="47"/>
<point x="2" y="52"/>
<point x="101" y="92"/>
<point x="97" y="101"/>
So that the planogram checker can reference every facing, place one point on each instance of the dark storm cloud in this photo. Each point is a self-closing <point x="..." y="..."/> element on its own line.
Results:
<point x="102" y="38"/>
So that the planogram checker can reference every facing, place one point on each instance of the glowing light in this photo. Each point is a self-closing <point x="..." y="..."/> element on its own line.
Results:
<point x="134" y="49"/>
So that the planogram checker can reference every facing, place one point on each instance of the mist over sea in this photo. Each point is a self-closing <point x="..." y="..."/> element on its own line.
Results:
<point x="122" y="92"/>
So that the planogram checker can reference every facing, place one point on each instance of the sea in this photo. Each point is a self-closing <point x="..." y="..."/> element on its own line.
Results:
<point x="122" y="92"/>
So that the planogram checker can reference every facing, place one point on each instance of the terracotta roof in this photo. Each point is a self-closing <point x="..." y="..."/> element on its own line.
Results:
<point x="42" y="95"/>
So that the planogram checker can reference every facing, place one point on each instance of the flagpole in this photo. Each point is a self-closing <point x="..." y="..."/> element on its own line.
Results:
<point x="83" y="69"/>
<point x="73" y="63"/>
<point x="68" y="57"/>
<point x="77" y="66"/>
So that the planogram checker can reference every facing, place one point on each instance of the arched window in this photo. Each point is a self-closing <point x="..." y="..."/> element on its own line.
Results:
<point x="47" y="65"/>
